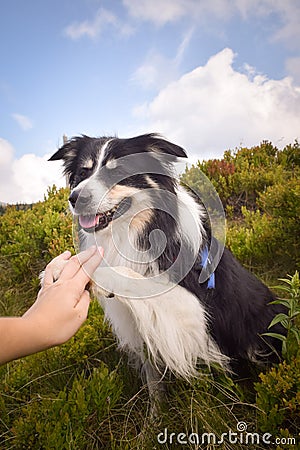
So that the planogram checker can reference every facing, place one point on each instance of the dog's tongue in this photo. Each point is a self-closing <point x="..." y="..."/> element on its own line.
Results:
<point x="88" y="221"/>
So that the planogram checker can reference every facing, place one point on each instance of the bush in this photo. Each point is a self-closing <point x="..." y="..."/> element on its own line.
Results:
<point x="62" y="420"/>
<point x="260" y="191"/>
<point x="278" y="393"/>
<point x="278" y="398"/>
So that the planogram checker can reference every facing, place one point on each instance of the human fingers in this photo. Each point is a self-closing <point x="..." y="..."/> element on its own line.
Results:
<point x="88" y="268"/>
<point x="51" y="268"/>
<point x="75" y="263"/>
<point x="82" y="305"/>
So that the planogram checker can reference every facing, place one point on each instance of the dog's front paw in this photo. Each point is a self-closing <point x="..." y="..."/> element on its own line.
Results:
<point x="55" y="267"/>
<point x="118" y="280"/>
<point x="127" y="272"/>
<point x="41" y="278"/>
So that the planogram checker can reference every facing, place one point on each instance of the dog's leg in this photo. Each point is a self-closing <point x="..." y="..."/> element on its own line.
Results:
<point x="156" y="387"/>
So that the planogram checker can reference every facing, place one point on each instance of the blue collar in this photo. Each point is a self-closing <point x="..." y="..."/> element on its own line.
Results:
<point x="204" y="260"/>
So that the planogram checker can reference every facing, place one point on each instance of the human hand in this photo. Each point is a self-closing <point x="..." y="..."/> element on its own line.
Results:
<point x="62" y="303"/>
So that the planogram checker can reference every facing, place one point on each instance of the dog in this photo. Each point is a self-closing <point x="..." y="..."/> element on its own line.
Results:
<point x="158" y="243"/>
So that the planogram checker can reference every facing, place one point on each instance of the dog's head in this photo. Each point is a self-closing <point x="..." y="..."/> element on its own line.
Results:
<point x="106" y="174"/>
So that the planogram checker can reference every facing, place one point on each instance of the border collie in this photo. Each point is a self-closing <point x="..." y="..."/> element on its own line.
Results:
<point x="173" y="295"/>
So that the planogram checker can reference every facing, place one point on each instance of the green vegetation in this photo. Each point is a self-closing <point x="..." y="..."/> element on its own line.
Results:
<point x="260" y="191"/>
<point x="278" y="394"/>
<point x="83" y="395"/>
<point x="290" y="320"/>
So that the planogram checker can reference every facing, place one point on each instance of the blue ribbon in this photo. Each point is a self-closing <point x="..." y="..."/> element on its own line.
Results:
<point x="204" y="261"/>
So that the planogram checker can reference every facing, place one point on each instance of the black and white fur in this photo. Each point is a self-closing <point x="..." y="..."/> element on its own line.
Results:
<point x="188" y="323"/>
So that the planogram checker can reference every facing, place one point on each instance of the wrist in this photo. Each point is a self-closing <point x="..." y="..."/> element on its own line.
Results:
<point x="37" y="332"/>
<point x="19" y="337"/>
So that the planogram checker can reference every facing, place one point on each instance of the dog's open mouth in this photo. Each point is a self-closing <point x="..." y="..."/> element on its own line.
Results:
<point x="99" y="221"/>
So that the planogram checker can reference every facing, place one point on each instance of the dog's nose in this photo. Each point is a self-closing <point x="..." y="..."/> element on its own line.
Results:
<point x="73" y="198"/>
<point x="79" y="200"/>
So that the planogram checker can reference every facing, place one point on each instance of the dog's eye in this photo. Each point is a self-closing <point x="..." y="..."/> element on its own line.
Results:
<point x="83" y="173"/>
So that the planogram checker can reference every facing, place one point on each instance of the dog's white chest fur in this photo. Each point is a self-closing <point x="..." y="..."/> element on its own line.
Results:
<point x="171" y="327"/>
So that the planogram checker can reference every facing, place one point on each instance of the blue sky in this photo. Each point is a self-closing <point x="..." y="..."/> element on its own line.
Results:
<point x="209" y="75"/>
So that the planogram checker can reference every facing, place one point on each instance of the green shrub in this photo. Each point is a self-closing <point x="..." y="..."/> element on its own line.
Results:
<point x="62" y="421"/>
<point x="278" y="398"/>
<point x="278" y="393"/>
<point x="291" y="319"/>
<point x="260" y="191"/>
<point x="241" y="176"/>
<point x="257" y="242"/>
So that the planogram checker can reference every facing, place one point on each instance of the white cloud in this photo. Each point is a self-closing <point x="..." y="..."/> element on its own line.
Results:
<point x="6" y="158"/>
<point x="215" y="107"/>
<point x="161" y="12"/>
<point x="26" y="179"/>
<point x="95" y="27"/>
<point x="6" y="153"/>
<point x="285" y="16"/>
<point x="293" y="68"/>
<point x="157" y="70"/>
<point x="289" y="12"/>
<point x="23" y="121"/>
<point x="157" y="11"/>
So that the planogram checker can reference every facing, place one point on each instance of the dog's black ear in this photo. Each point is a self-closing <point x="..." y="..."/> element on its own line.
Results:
<point x="70" y="149"/>
<point x="65" y="152"/>
<point x="60" y="154"/>
<point x="68" y="153"/>
<point x="157" y="143"/>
